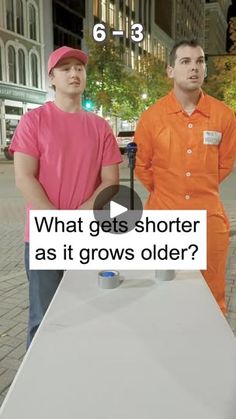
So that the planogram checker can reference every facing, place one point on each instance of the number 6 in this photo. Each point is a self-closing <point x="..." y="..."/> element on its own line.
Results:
<point x="99" y="32"/>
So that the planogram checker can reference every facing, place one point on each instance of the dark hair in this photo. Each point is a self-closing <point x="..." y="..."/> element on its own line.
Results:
<point x="184" y="43"/>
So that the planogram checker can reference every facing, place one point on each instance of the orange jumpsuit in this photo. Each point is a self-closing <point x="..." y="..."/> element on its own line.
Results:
<point x="181" y="160"/>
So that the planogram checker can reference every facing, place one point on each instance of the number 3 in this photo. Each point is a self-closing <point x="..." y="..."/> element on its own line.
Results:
<point x="137" y="32"/>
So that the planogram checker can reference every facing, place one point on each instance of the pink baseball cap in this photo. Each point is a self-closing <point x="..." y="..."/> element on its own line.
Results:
<point x="65" y="52"/>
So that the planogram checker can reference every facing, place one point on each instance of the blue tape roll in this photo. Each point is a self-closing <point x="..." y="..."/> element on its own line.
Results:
<point x="108" y="279"/>
<point x="107" y="274"/>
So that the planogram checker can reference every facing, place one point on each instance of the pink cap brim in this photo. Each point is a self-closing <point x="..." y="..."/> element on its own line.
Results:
<point x="66" y="52"/>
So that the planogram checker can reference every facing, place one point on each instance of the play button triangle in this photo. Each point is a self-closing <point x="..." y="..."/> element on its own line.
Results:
<point x="116" y="209"/>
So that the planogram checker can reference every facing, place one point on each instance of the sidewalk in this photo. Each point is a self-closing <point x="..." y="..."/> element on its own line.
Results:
<point x="13" y="284"/>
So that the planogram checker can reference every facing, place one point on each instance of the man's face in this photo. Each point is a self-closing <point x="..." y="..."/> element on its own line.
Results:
<point x="69" y="77"/>
<point x="188" y="71"/>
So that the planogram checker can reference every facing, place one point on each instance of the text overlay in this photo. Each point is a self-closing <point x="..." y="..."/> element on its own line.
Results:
<point x="160" y="240"/>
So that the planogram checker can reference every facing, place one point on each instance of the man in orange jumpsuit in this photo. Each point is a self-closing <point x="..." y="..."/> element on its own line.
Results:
<point x="186" y="147"/>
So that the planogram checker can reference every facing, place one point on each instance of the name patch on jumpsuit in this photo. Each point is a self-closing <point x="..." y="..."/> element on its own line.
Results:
<point x="212" y="137"/>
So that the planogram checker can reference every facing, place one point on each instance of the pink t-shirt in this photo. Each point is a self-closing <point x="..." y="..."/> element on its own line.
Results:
<point x="71" y="149"/>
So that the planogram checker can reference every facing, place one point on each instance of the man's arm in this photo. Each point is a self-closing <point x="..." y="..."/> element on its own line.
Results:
<point x="109" y="177"/>
<point x="227" y="150"/>
<point x="143" y="168"/>
<point x="26" y="169"/>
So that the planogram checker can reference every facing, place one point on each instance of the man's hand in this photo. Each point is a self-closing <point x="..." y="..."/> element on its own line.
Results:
<point x="109" y="179"/>
<point x="26" y="170"/>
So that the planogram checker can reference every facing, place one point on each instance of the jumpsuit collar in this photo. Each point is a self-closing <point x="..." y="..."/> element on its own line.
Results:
<point x="174" y="106"/>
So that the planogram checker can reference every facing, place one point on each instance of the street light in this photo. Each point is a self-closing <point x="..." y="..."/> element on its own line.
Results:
<point x="88" y="104"/>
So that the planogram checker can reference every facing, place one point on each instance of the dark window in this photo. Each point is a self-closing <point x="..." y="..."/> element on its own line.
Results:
<point x="12" y="64"/>
<point x="21" y="63"/>
<point x="67" y="20"/>
<point x="1" y="63"/>
<point x="149" y="16"/>
<point x="19" y="17"/>
<point x="77" y="6"/>
<point x="32" y="22"/>
<point x="163" y="15"/>
<point x="10" y="15"/>
<point x="61" y="37"/>
<point x="34" y="70"/>
<point x="13" y="110"/>
<point x="140" y="12"/>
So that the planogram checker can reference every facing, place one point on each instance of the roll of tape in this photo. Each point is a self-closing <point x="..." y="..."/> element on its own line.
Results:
<point x="165" y="275"/>
<point x="108" y="279"/>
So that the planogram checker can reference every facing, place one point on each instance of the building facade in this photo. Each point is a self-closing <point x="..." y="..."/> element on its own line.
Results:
<point x="22" y="81"/>
<point x="68" y="22"/>
<point x="121" y="15"/>
<point x="31" y="29"/>
<point x="188" y="20"/>
<point x="216" y="26"/>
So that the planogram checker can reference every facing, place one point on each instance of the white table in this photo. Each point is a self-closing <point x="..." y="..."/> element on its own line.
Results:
<point x="140" y="351"/>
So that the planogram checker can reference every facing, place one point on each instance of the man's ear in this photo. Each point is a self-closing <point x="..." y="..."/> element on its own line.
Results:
<point x="51" y="77"/>
<point x="170" y="71"/>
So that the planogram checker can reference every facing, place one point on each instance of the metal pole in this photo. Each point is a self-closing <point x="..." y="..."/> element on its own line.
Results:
<point x="131" y="151"/>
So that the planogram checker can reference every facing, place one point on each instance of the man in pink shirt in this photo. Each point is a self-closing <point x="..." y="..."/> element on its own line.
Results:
<point x="64" y="157"/>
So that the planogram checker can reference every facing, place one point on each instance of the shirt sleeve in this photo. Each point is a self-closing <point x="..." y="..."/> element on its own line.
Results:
<point x="111" y="152"/>
<point x="25" y="139"/>
<point x="143" y="170"/>
<point x="227" y="149"/>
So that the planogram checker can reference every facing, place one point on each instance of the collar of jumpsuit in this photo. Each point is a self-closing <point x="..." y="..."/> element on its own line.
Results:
<point x="174" y="106"/>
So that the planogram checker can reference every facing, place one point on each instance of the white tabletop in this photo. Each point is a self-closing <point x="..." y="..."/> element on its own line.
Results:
<point x="140" y="351"/>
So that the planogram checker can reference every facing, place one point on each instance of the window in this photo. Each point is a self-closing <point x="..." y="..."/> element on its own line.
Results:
<point x="19" y="17"/>
<point x="95" y="8"/>
<point x="32" y="22"/>
<point x="149" y="16"/>
<point x="149" y="42"/>
<point x="112" y="15"/>
<point x="139" y="63"/>
<point x="34" y="70"/>
<point x="1" y="139"/>
<point x="158" y="50"/>
<point x="103" y="10"/>
<point x="11" y="125"/>
<point x="68" y="21"/>
<point x="10" y="15"/>
<point x="127" y="56"/>
<point x="13" y="110"/>
<point x="1" y="63"/>
<point x="12" y="64"/>
<point x="21" y="63"/>
<point x="163" y="54"/>
<point x="132" y="60"/>
<point x="127" y="26"/>
<point x="120" y="21"/>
